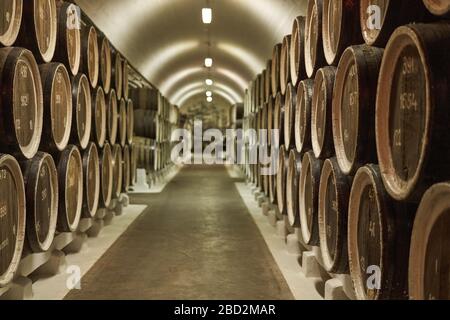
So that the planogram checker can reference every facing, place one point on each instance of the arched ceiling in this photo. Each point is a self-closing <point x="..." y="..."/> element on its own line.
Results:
<point x="167" y="41"/>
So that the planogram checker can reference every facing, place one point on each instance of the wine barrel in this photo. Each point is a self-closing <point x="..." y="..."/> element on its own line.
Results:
<point x="321" y="114"/>
<point x="70" y="185"/>
<point x="296" y="55"/>
<point x="145" y="98"/>
<point x="309" y="198"/>
<point x="98" y="132"/>
<point x="117" y="74"/>
<point x="268" y="82"/>
<point x="133" y="163"/>
<point x="117" y="167"/>
<point x="57" y="111"/>
<point x="277" y="137"/>
<point x="292" y="181"/>
<point x="379" y="234"/>
<point x="270" y="115"/>
<point x="314" y="56"/>
<point x="82" y="116"/>
<point x="340" y="28"/>
<point x="412" y="110"/>
<point x="106" y="176"/>
<point x="91" y="180"/>
<point x="122" y="122"/>
<point x="68" y="41"/>
<point x="283" y="163"/>
<point x="429" y="254"/>
<point x="438" y="7"/>
<point x="39" y="29"/>
<point x="11" y="19"/>
<point x="146" y="123"/>
<point x="275" y="69"/>
<point x="379" y="20"/>
<point x="353" y="113"/>
<point x="12" y="217"/>
<point x="285" y="68"/>
<point x="258" y="94"/>
<point x="130" y="121"/>
<point x="262" y="87"/>
<point x="125" y="80"/>
<point x="302" y="123"/>
<point x="289" y="116"/>
<point x="112" y="116"/>
<point x="90" y="54"/>
<point x="126" y="169"/>
<point x="334" y="192"/>
<point x="105" y="64"/>
<point x="41" y="192"/>
<point x="21" y="102"/>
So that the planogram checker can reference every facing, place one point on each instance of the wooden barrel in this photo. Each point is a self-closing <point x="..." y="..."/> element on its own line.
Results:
<point x="314" y="56"/>
<point x="68" y="41"/>
<point x="11" y="19"/>
<point x="122" y="122"/>
<point x="429" y="254"/>
<point x="126" y="79"/>
<point x="283" y="163"/>
<point x="379" y="20"/>
<point x="412" y="110"/>
<point x="273" y="182"/>
<point x="130" y="121"/>
<point x="277" y="138"/>
<point x="334" y="192"/>
<point x="354" y="107"/>
<point x="112" y="116"/>
<point x="309" y="198"/>
<point x="57" y="112"/>
<point x="105" y="64"/>
<point x="90" y="54"/>
<point x="302" y="123"/>
<point x="98" y="132"/>
<point x="297" y="51"/>
<point x="41" y="191"/>
<point x="12" y="217"/>
<point x="262" y="87"/>
<point x="39" y="29"/>
<point x="145" y="123"/>
<point x="106" y="176"/>
<point x="21" y="102"/>
<point x="438" y="7"/>
<point x="292" y="181"/>
<point x="270" y="115"/>
<point x="379" y="232"/>
<point x="285" y="67"/>
<point x="117" y="168"/>
<point x="82" y="116"/>
<point x="268" y="82"/>
<point x="70" y="186"/>
<point x="145" y="98"/>
<point x="117" y="74"/>
<point x="91" y="181"/>
<point x="258" y="94"/>
<point x="340" y="28"/>
<point x="126" y="180"/>
<point x="275" y="69"/>
<point x="133" y="163"/>
<point x="289" y="116"/>
<point x="321" y="114"/>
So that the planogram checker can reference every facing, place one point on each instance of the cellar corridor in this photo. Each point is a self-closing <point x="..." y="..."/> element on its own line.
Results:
<point x="196" y="240"/>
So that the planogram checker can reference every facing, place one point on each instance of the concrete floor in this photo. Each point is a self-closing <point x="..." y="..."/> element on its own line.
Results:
<point x="195" y="241"/>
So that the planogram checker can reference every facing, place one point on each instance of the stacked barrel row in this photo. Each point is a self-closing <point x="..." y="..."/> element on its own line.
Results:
<point x="364" y="162"/>
<point x="155" y="120"/>
<point x="66" y="125"/>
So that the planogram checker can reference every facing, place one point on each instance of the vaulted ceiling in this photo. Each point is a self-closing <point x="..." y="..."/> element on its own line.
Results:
<point x="167" y="41"/>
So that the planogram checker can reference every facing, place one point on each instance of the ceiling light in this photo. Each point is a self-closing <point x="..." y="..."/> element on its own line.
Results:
<point x="207" y="15"/>
<point x="209" y="82"/>
<point x="208" y="62"/>
<point x="208" y="93"/>
<point x="209" y="99"/>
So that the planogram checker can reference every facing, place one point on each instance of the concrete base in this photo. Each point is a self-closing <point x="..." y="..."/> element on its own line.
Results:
<point x="272" y="218"/>
<point x="265" y="208"/>
<point x="334" y="290"/>
<point x="281" y="229"/>
<point x="310" y="266"/>
<point x="292" y="245"/>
